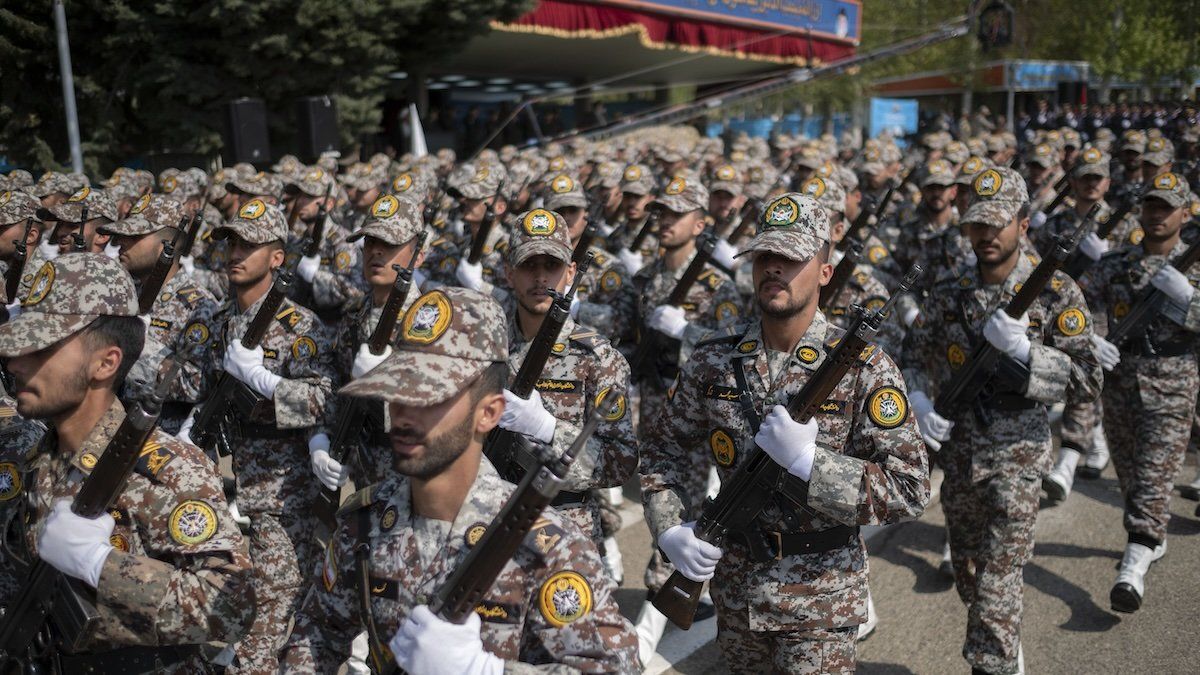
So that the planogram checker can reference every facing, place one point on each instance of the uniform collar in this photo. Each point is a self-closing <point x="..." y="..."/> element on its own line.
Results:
<point x="88" y="454"/>
<point x="809" y="352"/>
<point x="515" y="338"/>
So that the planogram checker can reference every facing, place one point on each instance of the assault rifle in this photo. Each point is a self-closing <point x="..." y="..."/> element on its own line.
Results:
<point x="1150" y="303"/>
<point x="984" y="362"/>
<point x="758" y="478"/>
<point x="158" y="274"/>
<point x="12" y="278"/>
<point x="1080" y="263"/>
<point x="841" y="274"/>
<point x="648" y="222"/>
<point x="863" y="219"/>
<point x="316" y="234"/>
<point x="193" y="231"/>
<point x="354" y="412"/>
<point x="501" y="446"/>
<point x="1061" y="189"/>
<point x="78" y="242"/>
<point x="485" y="228"/>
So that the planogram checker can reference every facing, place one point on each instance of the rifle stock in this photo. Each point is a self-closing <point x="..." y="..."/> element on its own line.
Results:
<point x="648" y="223"/>
<point x="193" y="231"/>
<point x="1061" y="189"/>
<point x="316" y="234"/>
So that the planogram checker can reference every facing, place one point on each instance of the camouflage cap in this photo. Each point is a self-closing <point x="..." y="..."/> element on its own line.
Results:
<point x="1169" y="187"/>
<point x="18" y="178"/>
<point x="185" y="185"/>
<point x="971" y="168"/>
<point x="994" y="143"/>
<point x="1042" y="154"/>
<point x="1092" y="162"/>
<point x="938" y="172"/>
<point x="475" y="181"/>
<point x="957" y="152"/>
<point x="873" y="161"/>
<point x="727" y="178"/>
<point x="828" y="193"/>
<point x="312" y="181"/>
<point x="540" y="232"/>
<point x="66" y="295"/>
<point x="683" y="194"/>
<point x="150" y="213"/>
<point x="1071" y="138"/>
<point x="257" y="223"/>
<point x="447" y="338"/>
<point x="410" y="186"/>
<point x="609" y="172"/>
<point x="392" y="220"/>
<point x="999" y="193"/>
<point x="16" y="206"/>
<point x="794" y="226"/>
<point x="637" y="179"/>
<point x="259" y="184"/>
<point x="565" y="191"/>
<point x="1159" y="151"/>
<point x="809" y="157"/>
<point x="98" y="202"/>
<point x="53" y="182"/>
<point x="1133" y="140"/>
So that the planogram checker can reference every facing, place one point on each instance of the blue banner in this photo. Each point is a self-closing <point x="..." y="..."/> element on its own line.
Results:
<point x="895" y="115"/>
<point x="825" y="18"/>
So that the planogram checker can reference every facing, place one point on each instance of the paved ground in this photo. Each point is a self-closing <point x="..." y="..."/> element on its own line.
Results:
<point x="1068" y="626"/>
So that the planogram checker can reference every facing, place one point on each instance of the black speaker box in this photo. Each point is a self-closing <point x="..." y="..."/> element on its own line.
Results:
<point x="316" y="126"/>
<point x="246" y="138"/>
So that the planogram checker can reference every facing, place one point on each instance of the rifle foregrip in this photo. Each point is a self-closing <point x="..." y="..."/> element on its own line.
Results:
<point x="678" y="599"/>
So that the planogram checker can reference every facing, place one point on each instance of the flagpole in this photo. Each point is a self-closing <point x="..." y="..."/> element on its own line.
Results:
<point x="68" y="85"/>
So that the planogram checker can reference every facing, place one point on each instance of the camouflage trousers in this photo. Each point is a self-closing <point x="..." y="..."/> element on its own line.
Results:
<point x="285" y="555"/>
<point x="1078" y="421"/>
<point x="1148" y="408"/>
<point x="990" y="524"/>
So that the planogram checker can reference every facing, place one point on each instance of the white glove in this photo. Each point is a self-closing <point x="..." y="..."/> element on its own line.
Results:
<point x="1008" y="334"/>
<point x="365" y="361"/>
<point x="910" y="316"/>
<point x="185" y="429"/>
<point x="1038" y="220"/>
<point x="723" y="254"/>
<point x="792" y="445"/>
<point x="935" y="429"/>
<point x="418" y="278"/>
<point x="247" y="366"/>
<point x="112" y="250"/>
<point x="632" y="260"/>
<point x="427" y="645"/>
<point x="188" y="264"/>
<point x="74" y="545"/>
<point x="668" y="320"/>
<point x="1093" y="246"/>
<point x="308" y="266"/>
<point x="694" y="558"/>
<point x="1174" y="284"/>
<point x="48" y="248"/>
<point x="528" y="416"/>
<point x="1108" y="354"/>
<point x="13" y="309"/>
<point x="573" y="310"/>
<point x="470" y="276"/>
<point x="328" y="470"/>
<point x="604" y="229"/>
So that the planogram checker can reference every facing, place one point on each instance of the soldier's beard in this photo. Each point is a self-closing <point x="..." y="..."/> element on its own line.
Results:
<point x="440" y="451"/>
<point x="58" y="401"/>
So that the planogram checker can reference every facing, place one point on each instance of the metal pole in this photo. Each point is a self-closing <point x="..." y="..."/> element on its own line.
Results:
<point x="68" y="85"/>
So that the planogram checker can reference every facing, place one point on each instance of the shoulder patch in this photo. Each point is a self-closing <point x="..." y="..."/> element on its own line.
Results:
<point x="192" y="522"/>
<point x="10" y="481"/>
<point x="543" y="536"/>
<point x="1071" y="322"/>
<point x="565" y="598"/>
<point x="726" y="311"/>
<point x="289" y="318"/>
<point x="304" y="348"/>
<point x="190" y="296"/>
<point x="610" y="281"/>
<point x="153" y="459"/>
<point x="724" y="450"/>
<point x="887" y="407"/>
<point x="589" y="339"/>
<point x="361" y="499"/>
<point x="615" y="412"/>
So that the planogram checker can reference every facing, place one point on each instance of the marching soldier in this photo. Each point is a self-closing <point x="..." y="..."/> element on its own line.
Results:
<point x="67" y="215"/>
<point x="552" y="603"/>
<point x="861" y="463"/>
<point x="17" y="210"/>
<point x="995" y="453"/>
<point x="168" y="567"/>
<point x="477" y="191"/>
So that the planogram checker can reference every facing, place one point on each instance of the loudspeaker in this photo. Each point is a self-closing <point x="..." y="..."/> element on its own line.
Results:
<point x="246" y="138"/>
<point x="1072" y="92"/>
<point x="316" y="126"/>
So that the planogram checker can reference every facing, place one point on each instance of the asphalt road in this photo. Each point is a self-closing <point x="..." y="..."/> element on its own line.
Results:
<point x="1068" y="626"/>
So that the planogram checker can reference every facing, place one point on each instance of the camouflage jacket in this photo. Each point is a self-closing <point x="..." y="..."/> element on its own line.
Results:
<point x="1114" y="284"/>
<point x="180" y="571"/>
<point x="444" y="253"/>
<point x="550" y="610"/>
<point x="339" y="279"/>
<point x="600" y="291"/>
<point x="33" y="262"/>
<point x="921" y="241"/>
<point x="863" y="289"/>
<point x="1066" y="220"/>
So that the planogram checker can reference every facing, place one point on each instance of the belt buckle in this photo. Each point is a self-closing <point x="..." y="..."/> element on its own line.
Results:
<point x="778" y="537"/>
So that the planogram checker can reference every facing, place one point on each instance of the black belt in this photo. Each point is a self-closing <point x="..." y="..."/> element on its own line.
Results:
<point x="570" y="500"/>
<point x="128" y="660"/>
<point x="766" y="545"/>
<point x="1148" y="349"/>
<point x="262" y="432"/>
<point x="1008" y="402"/>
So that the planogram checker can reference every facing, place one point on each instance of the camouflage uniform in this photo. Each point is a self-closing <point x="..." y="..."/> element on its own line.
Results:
<point x="992" y="471"/>
<point x="15" y="207"/>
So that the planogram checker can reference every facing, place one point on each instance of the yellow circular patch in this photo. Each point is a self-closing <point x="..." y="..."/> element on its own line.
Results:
<point x="559" y="347"/>
<point x="81" y="195"/>
<point x="956" y="356"/>
<point x="988" y="183"/>
<point x="887" y="407"/>
<point x="481" y="174"/>
<point x="43" y="281"/>
<point x="677" y="185"/>
<point x="632" y="172"/>
<point x="5" y="197"/>
<point x="1092" y="156"/>
<point x="825" y="170"/>
<point x="385" y="207"/>
<point x="1072" y="322"/>
<point x="10" y="481"/>
<point x="1164" y="181"/>
<point x="557" y="163"/>
<point x="615" y="413"/>
<point x="814" y="187"/>
<point x="87" y="460"/>
<point x="1136" y="235"/>
<point x="119" y="542"/>
<point x="564" y="598"/>
<point x="169" y="184"/>
<point x="475" y="533"/>
<point x="1120" y="310"/>
<point x="342" y="260"/>
<point x="304" y="347"/>
<point x="562" y="183"/>
<point x="610" y="280"/>
<point x="726" y="172"/>
<point x="748" y="346"/>
<point x="723" y="449"/>
<point x="428" y="318"/>
<point x="140" y="205"/>
<point x="539" y="223"/>
<point x="253" y="209"/>
<point x="972" y="165"/>
<point x="726" y="311"/>
<point x="876" y="253"/>
<point x="196" y="333"/>
<point x="192" y="522"/>
<point x="781" y="213"/>
<point x="388" y="521"/>
<point x="402" y="183"/>
<point x="807" y="354"/>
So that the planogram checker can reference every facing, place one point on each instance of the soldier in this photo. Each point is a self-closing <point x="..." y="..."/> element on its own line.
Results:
<point x="169" y="568"/>
<point x="551" y="604"/>
<point x="1151" y="397"/>
<point x="100" y="210"/>
<point x="992" y="470"/>
<point x="290" y="374"/>
<point x="154" y="221"/>
<point x="637" y="193"/>
<point x="333" y="273"/>
<point x="18" y="211"/>
<point x="477" y="191"/>
<point x="861" y="463"/>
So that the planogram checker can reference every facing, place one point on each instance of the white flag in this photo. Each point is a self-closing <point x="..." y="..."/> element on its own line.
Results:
<point x="419" y="149"/>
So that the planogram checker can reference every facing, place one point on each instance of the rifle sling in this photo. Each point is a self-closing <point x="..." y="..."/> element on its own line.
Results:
<point x="745" y="399"/>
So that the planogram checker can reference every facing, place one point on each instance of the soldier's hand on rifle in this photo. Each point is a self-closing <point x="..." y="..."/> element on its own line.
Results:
<point x="1174" y="284"/>
<point x="723" y="254"/>
<point x="1038" y="220"/>
<point x="573" y="310"/>
<point x="792" y="445"/>
<point x="48" y="248"/>
<point x="13" y="308"/>
<point x="695" y="558"/>
<point x="668" y="320"/>
<point x="469" y="275"/>
<point x="1008" y="334"/>
<point x="1108" y="354"/>
<point x="188" y="264"/>
<point x="112" y="251"/>
<point x="528" y="416"/>
<point x="1093" y="246"/>
<point x="74" y="545"/>
<point x="328" y="470"/>
<point x="935" y="429"/>
<point x="185" y="429"/>
<point x="247" y="366"/>
<point x="365" y="361"/>
<point x="631" y="260"/>
<point x="910" y="316"/>
<point x="308" y="266"/>
<point x="426" y="644"/>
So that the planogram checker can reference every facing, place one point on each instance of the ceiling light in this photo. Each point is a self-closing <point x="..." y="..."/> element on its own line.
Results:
<point x="437" y="85"/>
<point x="398" y="75"/>
<point x="468" y="83"/>
<point x="452" y="78"/>
<point x="499" y="80"/>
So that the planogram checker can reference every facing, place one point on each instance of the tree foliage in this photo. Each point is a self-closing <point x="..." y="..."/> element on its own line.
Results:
<point x="154" y="76"/>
